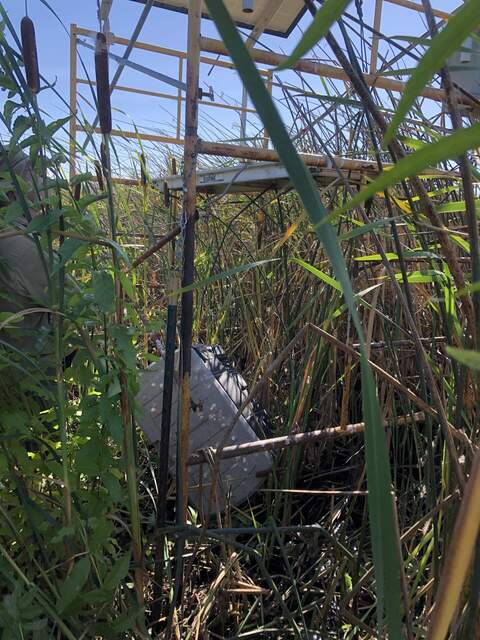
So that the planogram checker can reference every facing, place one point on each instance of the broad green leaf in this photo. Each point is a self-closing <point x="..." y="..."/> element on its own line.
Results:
<point x="103" y="290"/>
<point x="13" y="211"/>
<point x="69" y="247"/>
<point x="449" y="147"/>
<point x="376" y="257"/>
<point x="7" y="83"/>
<point x="464" y="244"/>
<point x="470" y="359"/>
<point x="73" y="584"/>
<point x="423" y="277"/>
<point x="112" y="485"/>
<point x="44" y="221"/>
<point x="329" y="13"/>
<point x="127" y="285"/>
<point x="382" y="518"/>
<point x="93" y="458"/>
<point x="442" y="46"/>
<point x="114" y="388"/>
<point x="118" y="572"/>
<point x="124" y="345"/>
<point x="118" y="250"/>
<point x="54" y="126"/>
<point x="90" y="199"/>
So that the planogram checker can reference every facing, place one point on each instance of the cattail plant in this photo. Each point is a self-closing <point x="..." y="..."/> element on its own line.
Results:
<point x="77" y="192"/>
<point x="103" y="84"/>
<point x="105" y="119"/>
<point x="29" y="52"/>
<point x="143" y="170"/>
<point x="104" y="161"/>
<point x="99" y="174"/>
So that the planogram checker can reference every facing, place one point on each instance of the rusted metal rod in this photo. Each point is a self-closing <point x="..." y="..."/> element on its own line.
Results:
<point x="297" y="439"/>
<point x="330" y="71"/>
<point x="310" y="159"/>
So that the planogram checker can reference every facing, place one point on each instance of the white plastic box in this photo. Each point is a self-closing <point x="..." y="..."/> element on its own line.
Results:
<point x="217" y="391"/>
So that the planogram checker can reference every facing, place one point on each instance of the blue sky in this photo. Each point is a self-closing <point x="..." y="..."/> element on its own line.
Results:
<point x="167" y="29"/>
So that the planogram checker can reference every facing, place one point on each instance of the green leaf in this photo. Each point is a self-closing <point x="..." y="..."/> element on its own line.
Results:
<point x="103" y="290"/>
<point x="442" y="46"/>
<point x="473" y="287"/>
<point x="118" y="250"/>
<point x="449" y="147"/>
<point x="382" y="517"/>
<point x="79" y="178"/>
<point x="9" y="110"/>
<point x="319" y="274"/>
<point x="93" y="458"/>
<point x="7" y="83"/>
<point x="470" y="359"/>
<point x="44" y="221"/>
<point x="423" y="277"/>
<point x="112" y="485"/>
<point x="74" y="583"/>
<point x="57" y="124"/>
<point x="362" y="228"/>
<point x="97" y="596"/>
<point x="118" y="572"/>
<point x="127" y="285"/>
<point x="68" y="248"/>
<point x="329" y="13"/>
<point x="90" y="199"/>
<point x="124" y="346"/>
<point x="21" y="125"/>
<point x="114" y="387"/>
<point x="13" y="211"/>
<point x="224" y="274"/>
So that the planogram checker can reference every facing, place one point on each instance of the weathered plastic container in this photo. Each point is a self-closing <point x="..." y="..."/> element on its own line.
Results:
<point x="217" y="391"/>
<point x="465" y="67"/>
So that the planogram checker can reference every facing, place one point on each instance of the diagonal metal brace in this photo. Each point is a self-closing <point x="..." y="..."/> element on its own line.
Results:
<point x="122" y="62"/>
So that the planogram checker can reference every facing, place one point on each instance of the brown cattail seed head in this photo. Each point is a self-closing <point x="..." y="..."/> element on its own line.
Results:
<point x="143" y="170"/>
<point x="77" y="193"/>
<point x="103" y="84"/>
<point x="29" y="52"/>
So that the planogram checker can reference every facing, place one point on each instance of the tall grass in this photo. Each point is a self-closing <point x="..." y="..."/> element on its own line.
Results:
<point x="343" y="533"/>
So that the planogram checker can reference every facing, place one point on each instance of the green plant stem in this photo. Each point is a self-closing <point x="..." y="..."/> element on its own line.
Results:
<point x="128" y="427"/>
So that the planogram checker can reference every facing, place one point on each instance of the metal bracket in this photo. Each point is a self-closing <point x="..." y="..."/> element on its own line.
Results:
<point x="202" y="94"/>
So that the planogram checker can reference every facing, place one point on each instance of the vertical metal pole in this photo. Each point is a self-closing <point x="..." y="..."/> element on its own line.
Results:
<point x="377" y="21"/>
<point x="269" y="89"/>
<point x="243" y="116"/>
<point x="179" y="100"/>
<point x="186" y="324"/>
<point x="73" y="98"/>
<point x="188" y="227"/>
<point x="168" y="385"/>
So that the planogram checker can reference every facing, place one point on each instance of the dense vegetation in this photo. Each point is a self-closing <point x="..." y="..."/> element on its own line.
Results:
<point x="360" y="302"/>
